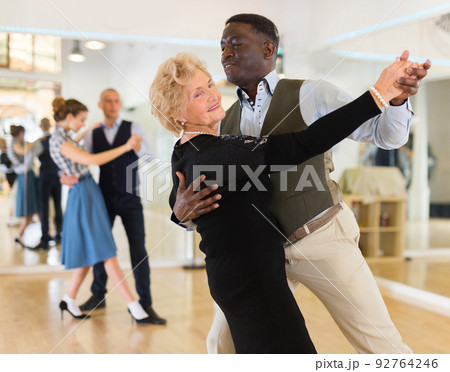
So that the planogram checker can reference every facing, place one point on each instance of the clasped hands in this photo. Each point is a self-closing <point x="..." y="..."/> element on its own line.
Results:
<point x="410" y="83"/>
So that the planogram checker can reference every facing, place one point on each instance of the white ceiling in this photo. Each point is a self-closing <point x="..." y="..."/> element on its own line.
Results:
<point x="370" y="27"/>
<point x="318" y="20"/>
<point x="192" y="19"/>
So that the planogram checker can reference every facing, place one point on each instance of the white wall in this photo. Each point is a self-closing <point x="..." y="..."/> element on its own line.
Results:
<point x="126" y="67"/>
<point x="84" y="81"/>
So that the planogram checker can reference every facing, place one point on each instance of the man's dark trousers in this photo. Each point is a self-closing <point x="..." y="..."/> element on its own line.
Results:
<point x="129" y="208"/>
<point x="49" y="186"/>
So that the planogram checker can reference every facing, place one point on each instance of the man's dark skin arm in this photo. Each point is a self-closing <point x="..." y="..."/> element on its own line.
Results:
<point x="189" y="204"/>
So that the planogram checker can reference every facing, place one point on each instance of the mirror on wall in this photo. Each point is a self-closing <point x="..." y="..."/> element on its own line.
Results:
<point x="353" y="62"/>
<point x="129" y="68"/>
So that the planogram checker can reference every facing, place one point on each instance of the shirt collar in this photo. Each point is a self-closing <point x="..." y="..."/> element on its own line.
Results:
<point x="268" y="83"/>
<point x="115" y="125"/>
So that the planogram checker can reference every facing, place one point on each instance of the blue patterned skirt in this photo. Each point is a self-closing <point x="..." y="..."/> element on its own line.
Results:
<point x="87" y="238"/>
<point x="27" y="202"/>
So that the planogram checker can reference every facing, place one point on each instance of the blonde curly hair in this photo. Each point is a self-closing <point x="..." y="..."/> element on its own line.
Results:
<point x="168" y="95"/>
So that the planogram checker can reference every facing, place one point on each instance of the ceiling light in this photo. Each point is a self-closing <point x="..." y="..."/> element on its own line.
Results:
<point x="93" y="44"/>
<point x="76" y="55"/>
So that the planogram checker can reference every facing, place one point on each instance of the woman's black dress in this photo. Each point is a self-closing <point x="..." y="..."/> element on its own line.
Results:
<point x="245" y="260"/>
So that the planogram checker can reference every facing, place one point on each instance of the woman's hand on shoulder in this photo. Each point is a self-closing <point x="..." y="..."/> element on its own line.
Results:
<point x="94" y="126"/>
<point x="134" y="143"/>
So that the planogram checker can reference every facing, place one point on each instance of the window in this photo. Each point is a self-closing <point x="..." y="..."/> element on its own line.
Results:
<point x="25" y="52"/>
<point x="47" y="53"/>
<point x="21" y="52"/>
<point x="3" y="49"/>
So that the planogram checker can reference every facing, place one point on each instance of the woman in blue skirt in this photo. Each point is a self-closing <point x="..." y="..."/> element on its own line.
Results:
<point x="22" y="155"/>
<point x="87" y="237"/>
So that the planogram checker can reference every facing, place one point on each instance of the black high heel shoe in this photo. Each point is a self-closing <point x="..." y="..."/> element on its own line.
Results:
<point x="147" y="320"/>
<point x="63" y="306"/>
<point x="20" y="242"/>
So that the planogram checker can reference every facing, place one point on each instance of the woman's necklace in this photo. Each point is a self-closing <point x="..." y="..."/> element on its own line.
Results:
<point x="198" y="133"/>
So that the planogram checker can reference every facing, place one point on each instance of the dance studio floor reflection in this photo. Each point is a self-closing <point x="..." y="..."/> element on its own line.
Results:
<point x="166" y="243"/>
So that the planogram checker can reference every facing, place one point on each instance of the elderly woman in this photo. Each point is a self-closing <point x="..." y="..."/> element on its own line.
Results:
<point x="254" y="296"/>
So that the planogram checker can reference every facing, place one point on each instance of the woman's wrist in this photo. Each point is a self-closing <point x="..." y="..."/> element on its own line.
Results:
<point x="378" y="95"/>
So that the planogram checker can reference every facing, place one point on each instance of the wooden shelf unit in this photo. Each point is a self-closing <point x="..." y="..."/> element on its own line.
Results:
<point x="382" y="225"/>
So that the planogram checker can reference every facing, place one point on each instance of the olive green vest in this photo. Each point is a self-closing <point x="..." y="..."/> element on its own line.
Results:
<point x="313" y="194"/>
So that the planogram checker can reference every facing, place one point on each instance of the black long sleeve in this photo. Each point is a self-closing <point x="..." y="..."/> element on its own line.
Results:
<point x="324" y="133"/>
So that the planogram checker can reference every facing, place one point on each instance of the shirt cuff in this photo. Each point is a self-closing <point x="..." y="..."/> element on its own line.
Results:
<point x="406" y="105"/>
<point x="188" y="225"/>
<point x="400" y="114"/>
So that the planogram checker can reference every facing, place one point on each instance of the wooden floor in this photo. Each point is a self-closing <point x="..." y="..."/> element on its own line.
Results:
<point x="30" y="320"/>
<point x="431" y="275"/>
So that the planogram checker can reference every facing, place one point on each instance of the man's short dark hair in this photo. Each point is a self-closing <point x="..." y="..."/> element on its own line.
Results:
<point x="260" y="24"/>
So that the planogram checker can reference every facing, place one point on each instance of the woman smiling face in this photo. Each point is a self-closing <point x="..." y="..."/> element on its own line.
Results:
<point x="203" y="104"/>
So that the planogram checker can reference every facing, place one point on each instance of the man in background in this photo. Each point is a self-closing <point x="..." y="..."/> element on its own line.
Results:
<point x="113" y="132"/>
<point x="49" y="186"/>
